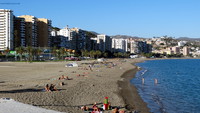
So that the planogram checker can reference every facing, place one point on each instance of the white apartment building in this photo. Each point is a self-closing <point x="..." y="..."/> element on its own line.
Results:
<point x="134" y="46"/>
<point x="182" y="43"/>
<point x="6" y="29"/>
<point x="119" y="45"/>
<point x="65" y="37"/>
<point x="103" y="43"/>
<point x="65" y="32"/>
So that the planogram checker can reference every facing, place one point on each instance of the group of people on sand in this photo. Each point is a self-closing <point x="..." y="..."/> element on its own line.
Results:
<point x="96" y="109"/>
<point x="50" y="88"/>
<point x="63" y="78"/>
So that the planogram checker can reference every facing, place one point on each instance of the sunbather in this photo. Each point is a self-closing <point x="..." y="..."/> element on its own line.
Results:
<point x="63" y="77"/>
<point x="96" y="110"/>
<point x="52" y="88"/>
<point x="47" y="88"/>
<point x="116" y="110"/>
<point x="62" y="83"/>
<point x="84" y="108"/>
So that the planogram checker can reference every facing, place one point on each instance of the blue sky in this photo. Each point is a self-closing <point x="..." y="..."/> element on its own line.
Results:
<point x="143" y="18"/>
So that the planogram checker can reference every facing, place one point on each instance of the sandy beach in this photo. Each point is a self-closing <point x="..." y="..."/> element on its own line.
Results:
<point x="24" y="82"/>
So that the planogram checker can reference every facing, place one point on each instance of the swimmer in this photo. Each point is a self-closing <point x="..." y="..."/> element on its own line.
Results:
<point x="155" y="81"/>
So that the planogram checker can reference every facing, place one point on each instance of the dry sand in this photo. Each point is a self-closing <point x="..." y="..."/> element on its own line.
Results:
<point x="24" y="82"/>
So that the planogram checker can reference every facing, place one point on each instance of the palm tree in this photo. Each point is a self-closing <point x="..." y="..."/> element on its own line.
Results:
<point x="29" y="50"/>
<point x="62" y="52"/>
<point x="54" y="51"/>
<point x="58" y="53"/>
<point x="116" y="54"/>
<point x="20" y="51"/>
<point x="105" y="54"/>
<point x="36" y="52"/>
<point x="70" y="52"/>
<point x="98" y="53"/>
<point x="92" y="54"/>
<point x="84" y="53"/>
<point x="7" y="51"/>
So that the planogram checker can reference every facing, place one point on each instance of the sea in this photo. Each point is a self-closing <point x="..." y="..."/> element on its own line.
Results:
<point x="177" y="89"/>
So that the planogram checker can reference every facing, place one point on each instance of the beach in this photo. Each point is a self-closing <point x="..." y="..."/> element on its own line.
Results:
<point x="25" y="82"/>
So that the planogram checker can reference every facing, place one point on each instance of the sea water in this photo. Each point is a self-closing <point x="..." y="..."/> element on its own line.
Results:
<point x="178" y="87"/>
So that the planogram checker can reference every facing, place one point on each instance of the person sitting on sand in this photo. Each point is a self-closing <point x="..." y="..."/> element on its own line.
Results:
<point x="84" y="108"/>
<point x="94" y="105"/>
<point x="62" y="83"/>
<point x="60" y="78"/>
<point x="52" y="88"/>
<point x="47" y="88"/>
<point x="96" y="110"/>
<point x="78" y="75"/>
<point x="121" y="111"/>
<point x="116" y="110"/>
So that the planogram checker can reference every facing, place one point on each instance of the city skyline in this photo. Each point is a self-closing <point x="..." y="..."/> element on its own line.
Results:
<point x="144" y="18"/>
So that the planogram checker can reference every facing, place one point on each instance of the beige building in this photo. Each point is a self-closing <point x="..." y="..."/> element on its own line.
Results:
<point x="176" y="50"/>
<point x="30" y="30"/>
<point x="186" y="51"/>
<point x="43" y="32"/>
<point x="37" y="31"/>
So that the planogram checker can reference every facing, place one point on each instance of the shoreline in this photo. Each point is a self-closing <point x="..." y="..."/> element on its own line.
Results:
<point x="129" y="93"/>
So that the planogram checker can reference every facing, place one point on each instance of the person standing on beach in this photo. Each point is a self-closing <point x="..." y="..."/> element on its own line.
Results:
<point x="142" y="80"/>
<point x="90" y="66"/>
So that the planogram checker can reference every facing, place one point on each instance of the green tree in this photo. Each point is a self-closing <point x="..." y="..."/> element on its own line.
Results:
<point x="98" y="53"/>
<point x="36" y="53"/>
<point x="54" y="51"/>
<point x="120" y="54"/>
<point x="29" y="50"/>
<point x="85" y="53"/>
<point x="58" y="53"/>
<point x="116" y="54"/>
<point x="20" y="51"/>
<point x="7" y="50"/>
<point x="62" y="52"/>
<point x="92" y="54"/>
<point x="105" y="54"/>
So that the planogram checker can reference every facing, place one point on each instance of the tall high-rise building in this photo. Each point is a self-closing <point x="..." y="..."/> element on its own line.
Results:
<point x="19" y="32"/>
<point x="30" y="30"/>
<point x="77" y="38"/>
<point x="6" y="29"/>
<point x="43" y="32"/>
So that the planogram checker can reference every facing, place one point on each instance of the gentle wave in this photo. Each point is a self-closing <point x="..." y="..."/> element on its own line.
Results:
<point x="177" y="90"/>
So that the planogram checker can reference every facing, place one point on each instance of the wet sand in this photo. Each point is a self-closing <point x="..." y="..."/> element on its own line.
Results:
<point x="130" y="94"/>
